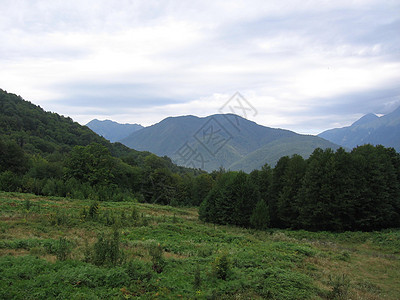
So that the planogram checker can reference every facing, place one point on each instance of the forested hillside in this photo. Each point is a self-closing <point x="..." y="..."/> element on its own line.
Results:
<point x="48" y="154"/>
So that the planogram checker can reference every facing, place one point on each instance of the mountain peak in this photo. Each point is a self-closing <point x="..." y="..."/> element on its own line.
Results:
<point x="365" y="119"/>
<point x="370" y="129"/>
<point x="112" y="130"/>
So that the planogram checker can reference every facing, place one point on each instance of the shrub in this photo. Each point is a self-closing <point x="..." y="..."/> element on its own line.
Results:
<point x="134" y="214"/>
<point x="106" y="251"/>
<point x="27" y="204"/>
<point x="93" y="211"/>
<point x="60" y="218"/>
<point x="156" y="253"/>
<point x="108" y="218"/>
<point x="197" y="278"/>
<point x="63" y="249"/>
<point x="221" y="266"/>
<point x="138" y="270"/>
<point x="340" y="287"/>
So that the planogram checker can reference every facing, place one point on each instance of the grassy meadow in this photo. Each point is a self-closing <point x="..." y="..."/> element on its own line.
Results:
<point x="62" y="248"/>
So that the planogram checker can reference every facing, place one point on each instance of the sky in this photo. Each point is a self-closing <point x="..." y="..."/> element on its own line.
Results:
<point x="302" y="65"/>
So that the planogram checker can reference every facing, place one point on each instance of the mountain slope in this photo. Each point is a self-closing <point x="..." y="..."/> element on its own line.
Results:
<point x="370" y="129"/>
<point x="111" y="130"/>
<point x="41" y="132"/>
<point x="270" y="153"/>
<point x="38" y="132"/>
<point x="215" y="141"/>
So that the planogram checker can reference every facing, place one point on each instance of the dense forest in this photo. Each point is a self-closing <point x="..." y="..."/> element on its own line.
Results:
<point x="47" y="154"/>
<point x="335" y="191"/>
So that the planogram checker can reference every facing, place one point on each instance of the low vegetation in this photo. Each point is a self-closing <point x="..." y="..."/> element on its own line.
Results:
<point x="66" y="248"/>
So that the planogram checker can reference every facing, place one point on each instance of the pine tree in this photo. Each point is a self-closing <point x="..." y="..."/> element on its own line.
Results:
<point x="260" y="216"/>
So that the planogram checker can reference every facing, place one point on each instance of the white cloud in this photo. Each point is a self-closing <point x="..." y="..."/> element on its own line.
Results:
<point x="141" y="61"/>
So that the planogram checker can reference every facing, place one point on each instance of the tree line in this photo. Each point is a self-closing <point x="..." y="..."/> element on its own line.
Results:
<point x="337" y="191"/>
<point x="91" y="172"/>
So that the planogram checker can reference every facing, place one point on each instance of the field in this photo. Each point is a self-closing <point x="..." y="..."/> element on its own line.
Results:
<point x="62" y="248"/>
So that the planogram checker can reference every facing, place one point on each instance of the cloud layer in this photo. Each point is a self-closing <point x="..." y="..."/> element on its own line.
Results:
<point x="305" y="65"/>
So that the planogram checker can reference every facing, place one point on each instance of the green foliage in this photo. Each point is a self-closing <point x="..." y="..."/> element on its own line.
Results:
<point x="27" y="204"/>
<point x="278" y="264"/>
<point x="60" y="218"/>
<point x="231" y="200"/>
<point x="138" y="270"/>
<point x="340" y="287"/>
<point x="288" y="204"/>
<point x="92" y="164"/>
<point x="63" y="249"/>
<point x="47" y="154"/>
<point x="335" y="191"/>
<point x="222" y="266"/>
<point x="279" y="283"/>
<point x="260" y="216"/>
<point x="12" y="157"/>
<point x="93" y="212"/>
<point x="156" y="254"/>
<point x="197" y="278"/>
<point x="27" y="277"/>
<point x="107" y="251"/>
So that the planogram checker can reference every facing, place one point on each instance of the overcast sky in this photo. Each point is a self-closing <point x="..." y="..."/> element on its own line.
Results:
<point x="303" y="65"/>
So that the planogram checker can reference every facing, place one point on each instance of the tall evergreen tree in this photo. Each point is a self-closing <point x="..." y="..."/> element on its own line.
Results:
<point x="277" y="185"/>
<point x="288" y="200"/>
<point x="317" y="195"/>
<point x="260" y="216"/>
<point x="244" y="198"/>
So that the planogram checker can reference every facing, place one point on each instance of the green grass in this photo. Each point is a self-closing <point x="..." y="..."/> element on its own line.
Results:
<point x="199" y="261"/>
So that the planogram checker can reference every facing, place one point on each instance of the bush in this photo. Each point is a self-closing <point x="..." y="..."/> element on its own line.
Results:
<point x="340" y="287"/>
<point x="278" y="283"/>
<point x="60" y="218"/>
<point x="138" y="270"/>
<point x="156" y="253"/>
<point x="134" y="214"/>
<point x="221" y="266"/>
<point x="93" y="211"/>
<point x="197" y="278"/>
<point x="27" y="204"/>
<point x="63" y="249"/>
<point x="106" y="251"/>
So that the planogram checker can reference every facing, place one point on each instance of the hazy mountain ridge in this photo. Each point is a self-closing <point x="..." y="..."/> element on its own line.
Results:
<point x="111" y="130"/>
<point x="227" y="141"/>
<point x="370" y="129"/>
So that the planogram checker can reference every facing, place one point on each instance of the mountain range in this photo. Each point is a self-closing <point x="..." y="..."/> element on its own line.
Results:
<point x="222" y="140"/>
<point x="235" y="143"/>
<point x="111" y="130"/>
<point x="370" y="129"/>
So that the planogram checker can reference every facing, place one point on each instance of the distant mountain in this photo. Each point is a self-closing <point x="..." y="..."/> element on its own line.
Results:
<point x="370" y="129"/>
<point x="216" y="141"/>
<point x="111" y="130"/>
